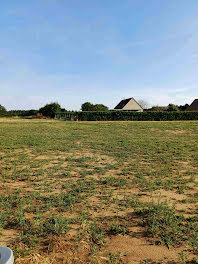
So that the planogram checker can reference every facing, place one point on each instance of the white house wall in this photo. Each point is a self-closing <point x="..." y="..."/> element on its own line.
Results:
<point x="133" y="106"/>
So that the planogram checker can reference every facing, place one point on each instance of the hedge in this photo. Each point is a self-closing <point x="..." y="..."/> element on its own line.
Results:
<point x="18" y="113"/>
<point x="128" y="116"/>
<point x="4" y="114"/>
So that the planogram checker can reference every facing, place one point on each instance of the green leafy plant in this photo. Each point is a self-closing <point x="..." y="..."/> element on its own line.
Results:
<point x="118" y="227"/>
<point x="162" y="222"/>
<point x="56" y="225"/>
<point x="97" y="235"/>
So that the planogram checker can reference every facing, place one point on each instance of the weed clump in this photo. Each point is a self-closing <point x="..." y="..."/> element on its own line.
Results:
<point x="93" y="233"/>
<point x="33" y="231"/>
<point x="162" y="222"/>
<point x="192" y="231"/>
<point x="97" y="235"/>
<point x="117" y="227"/>
<point x="56" y="225"/>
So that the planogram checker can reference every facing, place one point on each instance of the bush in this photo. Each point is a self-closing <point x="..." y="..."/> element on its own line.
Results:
<point x="49" y="110"/>
<point x="127" y="116"/>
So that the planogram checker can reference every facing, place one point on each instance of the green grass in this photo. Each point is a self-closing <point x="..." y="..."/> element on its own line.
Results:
<point x="95" y="180"/>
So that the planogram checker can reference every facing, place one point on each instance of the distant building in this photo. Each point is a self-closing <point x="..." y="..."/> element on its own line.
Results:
<point x="193" y="106"/>
<point x="129" y="104"/>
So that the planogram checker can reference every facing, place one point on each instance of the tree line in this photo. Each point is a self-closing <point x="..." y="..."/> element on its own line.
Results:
<point x="49" y="110"/>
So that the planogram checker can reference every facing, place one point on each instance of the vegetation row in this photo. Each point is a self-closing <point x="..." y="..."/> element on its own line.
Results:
<point x="103" y="113"/>
<point x="127" y="116"/>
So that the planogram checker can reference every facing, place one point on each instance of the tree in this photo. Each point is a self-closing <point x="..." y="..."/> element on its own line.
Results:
<point x="2" y="109"/>
<point x="172" y="107"/>
<point x="87" y="107"/>
<point x="49" y="110"/>
<point x="183" y="107"/>
<point x="91" y="107"/>
<point x="155" y="108"/>
<point x="100" y="107"/>
<point x="144" y="104"/>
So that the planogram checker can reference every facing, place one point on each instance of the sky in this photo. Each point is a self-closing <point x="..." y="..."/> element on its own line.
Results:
<point x="101" y="51"/>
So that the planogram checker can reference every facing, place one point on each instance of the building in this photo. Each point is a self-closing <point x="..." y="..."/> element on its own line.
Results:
<point x="193" y="106"/>
<point x="129" y="104"/>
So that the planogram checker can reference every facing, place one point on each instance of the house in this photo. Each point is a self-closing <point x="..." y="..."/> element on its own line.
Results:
<point x="193" y="106"/>
<point x="129" y="104"/>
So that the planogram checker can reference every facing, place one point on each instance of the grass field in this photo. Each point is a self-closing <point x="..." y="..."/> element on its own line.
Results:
<point x="99" y="192"/>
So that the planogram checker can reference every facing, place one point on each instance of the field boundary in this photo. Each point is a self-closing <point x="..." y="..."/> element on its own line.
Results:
<point x="126" y="116"/>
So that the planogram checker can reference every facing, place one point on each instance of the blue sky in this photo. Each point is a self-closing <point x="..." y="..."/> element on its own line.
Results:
<point x="72" y="51"/>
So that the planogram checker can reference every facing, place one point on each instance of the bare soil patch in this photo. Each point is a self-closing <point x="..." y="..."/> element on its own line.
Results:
<point x="135" y="250"/>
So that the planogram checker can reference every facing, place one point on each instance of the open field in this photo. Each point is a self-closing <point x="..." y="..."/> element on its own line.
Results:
<point x="99" y="192"/>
